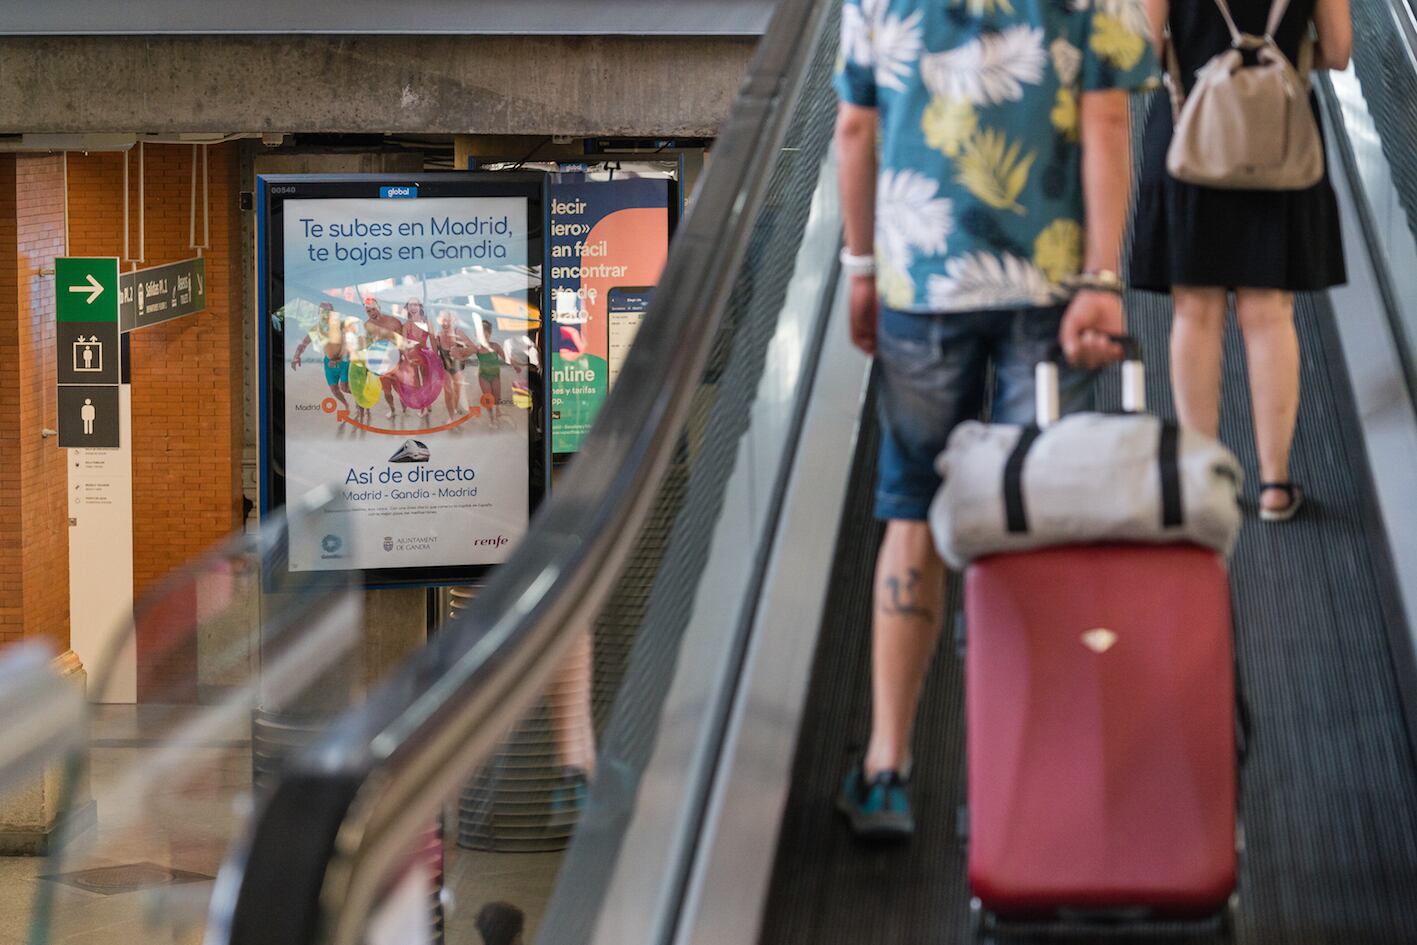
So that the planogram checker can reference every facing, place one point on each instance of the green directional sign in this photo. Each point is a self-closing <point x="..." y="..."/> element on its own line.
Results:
<point x="87" y="351"/>
<point x="86" y="288"/>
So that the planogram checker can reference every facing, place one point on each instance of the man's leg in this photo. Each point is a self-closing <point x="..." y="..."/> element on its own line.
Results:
<point x="932" y="372"/>
<point x="905" y="627"/>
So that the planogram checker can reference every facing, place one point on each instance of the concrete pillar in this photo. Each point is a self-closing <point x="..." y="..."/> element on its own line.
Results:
<point x="55" y="804"/>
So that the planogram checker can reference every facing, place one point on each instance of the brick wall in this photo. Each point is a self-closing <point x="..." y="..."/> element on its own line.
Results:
<point x="12" y="584"/>
<point x="186" y="374"/>
<point x="34" y="525"/>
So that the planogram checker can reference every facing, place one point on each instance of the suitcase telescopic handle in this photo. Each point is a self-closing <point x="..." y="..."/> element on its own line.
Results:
<point x="1045" y="381"/>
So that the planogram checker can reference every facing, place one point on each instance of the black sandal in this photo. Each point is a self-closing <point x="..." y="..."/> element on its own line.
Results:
<point x="1296" y="500"/>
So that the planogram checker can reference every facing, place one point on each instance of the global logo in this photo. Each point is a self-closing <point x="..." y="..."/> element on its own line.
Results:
<point x="388" y="543"/>
<point x="331" y="544"/>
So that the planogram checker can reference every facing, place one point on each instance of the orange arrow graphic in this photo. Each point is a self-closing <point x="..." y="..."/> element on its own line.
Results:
<point x="343" y="417"/>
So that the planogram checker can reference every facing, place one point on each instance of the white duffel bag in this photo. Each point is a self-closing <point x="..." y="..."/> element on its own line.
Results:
<point x="1089" y="477"/>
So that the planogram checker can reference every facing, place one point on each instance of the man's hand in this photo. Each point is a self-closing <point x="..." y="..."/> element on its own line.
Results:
<point x="1088" y="326"/>
<point x="865" y="308"/>
<point x="295" y="362"/>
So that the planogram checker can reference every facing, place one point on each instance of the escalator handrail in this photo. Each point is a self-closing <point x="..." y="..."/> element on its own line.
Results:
<point x="385" y="767"/>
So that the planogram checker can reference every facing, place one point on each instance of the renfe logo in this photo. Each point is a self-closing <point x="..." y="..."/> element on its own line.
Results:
<point x="399" y="193"/>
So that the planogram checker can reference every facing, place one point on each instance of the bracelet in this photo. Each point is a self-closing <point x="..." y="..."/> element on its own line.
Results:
<point x="1101" y="280"/>
<point x="857" y="265"/>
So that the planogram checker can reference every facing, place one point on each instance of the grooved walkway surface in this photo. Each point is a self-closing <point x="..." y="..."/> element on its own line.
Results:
<point x="1330" y="798"/>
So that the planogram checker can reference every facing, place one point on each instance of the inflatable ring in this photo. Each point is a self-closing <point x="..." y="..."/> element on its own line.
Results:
<point x="417" y="397"/>
<point x="364" y="384"/>
<point x="382" y="357"/>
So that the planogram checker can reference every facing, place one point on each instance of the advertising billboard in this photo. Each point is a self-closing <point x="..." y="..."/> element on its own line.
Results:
<point x="609" y="240"/>
<point x="402" y="368"/>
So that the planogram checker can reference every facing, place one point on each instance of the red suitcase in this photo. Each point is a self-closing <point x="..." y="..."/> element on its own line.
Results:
<point x="1100" y="703"/>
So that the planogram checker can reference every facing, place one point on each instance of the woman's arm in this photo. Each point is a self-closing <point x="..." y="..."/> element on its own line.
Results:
<point x="1157" y="11"/>
<point x="1334" y="25"/>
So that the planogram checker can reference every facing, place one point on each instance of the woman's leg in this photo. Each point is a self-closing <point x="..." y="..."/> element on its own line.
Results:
<point x="1272" y="352"/>
<point x="485" y="386"/>
<point x="1197" y="335"/>
<point x="450" y="395"/>
<point x="569" y="701"/>
<point x="390" y="392"/>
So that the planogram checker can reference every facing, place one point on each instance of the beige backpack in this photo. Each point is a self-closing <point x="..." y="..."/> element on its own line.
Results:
<point x="1246" y="127"/>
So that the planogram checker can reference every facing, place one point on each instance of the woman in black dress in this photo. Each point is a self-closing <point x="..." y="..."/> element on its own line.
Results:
<point x="1199" y="243"/>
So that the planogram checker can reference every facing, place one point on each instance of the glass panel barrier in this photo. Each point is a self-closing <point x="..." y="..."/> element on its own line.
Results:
<point x="1373" y="101"/>
<point x="242" y="663"/>
<point x="635" y="570"/>
<point x="532" y="720"/>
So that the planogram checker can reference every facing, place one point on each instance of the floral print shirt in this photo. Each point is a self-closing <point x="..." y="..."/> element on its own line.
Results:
<point x="979" y="203"/>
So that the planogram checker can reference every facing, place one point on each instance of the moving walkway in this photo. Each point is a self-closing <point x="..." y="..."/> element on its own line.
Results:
<point x="718" y="519"/>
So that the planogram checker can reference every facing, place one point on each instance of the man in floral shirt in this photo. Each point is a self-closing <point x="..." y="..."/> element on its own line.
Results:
<point x="985" y="171"/>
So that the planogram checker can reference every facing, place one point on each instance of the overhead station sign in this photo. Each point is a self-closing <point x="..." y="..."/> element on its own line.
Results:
<point x="149" y="297"/>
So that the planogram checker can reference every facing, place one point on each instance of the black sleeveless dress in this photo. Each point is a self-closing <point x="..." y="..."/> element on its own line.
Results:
<point x="1199" y="236"/>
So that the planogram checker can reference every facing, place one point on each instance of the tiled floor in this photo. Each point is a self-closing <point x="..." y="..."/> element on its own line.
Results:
<point x="523" y="879"/>
<point x="173" y="808"/>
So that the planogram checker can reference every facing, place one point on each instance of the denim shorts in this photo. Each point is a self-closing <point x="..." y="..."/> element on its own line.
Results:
<point x="933" y="374"/>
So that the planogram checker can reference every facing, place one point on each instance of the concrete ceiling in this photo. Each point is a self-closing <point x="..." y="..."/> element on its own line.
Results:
<point x="446" y="17"/>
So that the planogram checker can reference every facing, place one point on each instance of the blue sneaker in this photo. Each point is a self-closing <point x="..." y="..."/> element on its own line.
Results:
<point x="878" y="809"/>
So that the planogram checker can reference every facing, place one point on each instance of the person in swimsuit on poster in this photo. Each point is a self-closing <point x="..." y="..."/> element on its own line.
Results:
<point x="454" y="349"/>
<point x="381" y="327"/>
<point x="490" y="358"/>
<point x="329" y="332"/>
<point x="418" y="335"/>
<point x="354" y="345"/>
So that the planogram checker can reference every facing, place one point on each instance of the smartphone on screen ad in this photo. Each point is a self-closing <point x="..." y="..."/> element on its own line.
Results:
<point x="625" y="308"/>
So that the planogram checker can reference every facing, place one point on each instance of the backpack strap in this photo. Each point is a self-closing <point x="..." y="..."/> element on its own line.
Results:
<point x="1277" y="10"/>
<point x="1276" y="16"/>
<point x="1173" y="79"/>
<point x="1237" y="38"/>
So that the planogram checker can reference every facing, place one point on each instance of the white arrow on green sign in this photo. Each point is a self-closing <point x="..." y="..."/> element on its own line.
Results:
<point x="87" y="288"/>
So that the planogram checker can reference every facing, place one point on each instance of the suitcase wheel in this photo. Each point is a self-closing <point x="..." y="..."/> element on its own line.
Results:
<point x="982" y="923"/>
<point x="1229" y="916"/>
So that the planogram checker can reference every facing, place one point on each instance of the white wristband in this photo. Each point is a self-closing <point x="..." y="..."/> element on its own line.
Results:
<point x="857" y="265"/>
